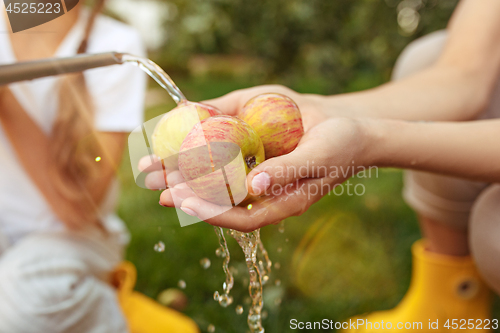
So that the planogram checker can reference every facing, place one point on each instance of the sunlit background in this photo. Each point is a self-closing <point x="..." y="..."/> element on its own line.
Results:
<point x="345" y="256"/>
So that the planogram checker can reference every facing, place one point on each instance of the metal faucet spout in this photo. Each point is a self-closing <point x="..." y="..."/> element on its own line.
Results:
<point x="30" y="70"/>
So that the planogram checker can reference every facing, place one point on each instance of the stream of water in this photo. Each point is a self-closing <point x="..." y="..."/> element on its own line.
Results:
<point x="256" y="257"/>
<point x="158" y="74"/>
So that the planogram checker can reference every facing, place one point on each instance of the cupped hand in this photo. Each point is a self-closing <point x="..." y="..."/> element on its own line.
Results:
<point x="310" y="106"/>
<point x="286" y="185"/>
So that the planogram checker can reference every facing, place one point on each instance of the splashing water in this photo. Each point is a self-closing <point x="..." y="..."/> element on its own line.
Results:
<point x="281" y="228"/>
<point x="249" y="242"/>
<point x="181" y="284"/>
<point x="265" y="264"/>
<point x="259" y="267"/>
<point x="158" y="74"/>
<point x="159" y="247"/>
<point x="219" y="252"/>
<point x="225" y="299"/>
<point x="205" y="263"/>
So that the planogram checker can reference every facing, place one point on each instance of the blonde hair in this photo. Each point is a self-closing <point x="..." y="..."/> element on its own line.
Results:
<point x="73" y="142"/>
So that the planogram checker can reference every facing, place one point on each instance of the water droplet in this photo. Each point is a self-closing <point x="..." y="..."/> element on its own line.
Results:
<point x="277" y="265"/>
<point x="279" y="249"/>
<point x="277" y="301"/>
<point x="249" y="206"/>
<point x="264" y="314"/>
<point x="216" y="296"/>
<point x="225" y="300"/>
<point x="265" y="278"/>
<point x="286" y="240"/>
<point x="98" y="159"/>
<point x="239" y="309"/>
<point x="277" y="282"/>
<point x="160" y="246"/>
<point x="211" y="328"/>
<point x="281" y="228"/>
<point x="220" y="253"/>
<point x="181" y="284"/>
<point x="205" y="263"/>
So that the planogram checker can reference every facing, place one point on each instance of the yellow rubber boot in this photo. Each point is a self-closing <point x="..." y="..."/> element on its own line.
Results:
<point x="445" y="291"/>
<point x="143" y="314"/>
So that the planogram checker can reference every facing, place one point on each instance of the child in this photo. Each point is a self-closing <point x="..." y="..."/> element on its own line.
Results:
<point x="61" y="141"/>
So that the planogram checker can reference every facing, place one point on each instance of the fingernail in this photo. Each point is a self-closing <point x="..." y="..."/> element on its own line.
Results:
<point x="189" y="211"/>
<point x="261" y="182"/>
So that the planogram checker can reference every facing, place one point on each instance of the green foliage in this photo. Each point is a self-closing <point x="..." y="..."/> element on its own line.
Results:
<point x="348" y="45"/>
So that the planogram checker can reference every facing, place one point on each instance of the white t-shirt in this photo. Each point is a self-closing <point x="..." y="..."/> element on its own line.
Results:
<point x="118" y="95"/>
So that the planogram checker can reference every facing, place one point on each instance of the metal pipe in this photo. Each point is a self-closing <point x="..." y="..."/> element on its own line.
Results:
<point x="30" y="70"/>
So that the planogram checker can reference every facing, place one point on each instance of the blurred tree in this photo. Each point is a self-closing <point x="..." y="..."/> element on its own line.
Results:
<point x="348" y="45"/>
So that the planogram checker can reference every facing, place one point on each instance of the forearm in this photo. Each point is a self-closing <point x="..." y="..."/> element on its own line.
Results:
<point x="468" y="149"/>
<point x="440" y="93"/>
<point x="456" y="88"/>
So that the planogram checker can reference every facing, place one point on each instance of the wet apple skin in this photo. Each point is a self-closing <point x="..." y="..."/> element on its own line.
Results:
<point x="215" y="153"/>
<point x="277" y="120"/>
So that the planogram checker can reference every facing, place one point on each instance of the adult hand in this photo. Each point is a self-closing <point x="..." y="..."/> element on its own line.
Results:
<point x="310" y="106"/>
<point x="288" y="185"/>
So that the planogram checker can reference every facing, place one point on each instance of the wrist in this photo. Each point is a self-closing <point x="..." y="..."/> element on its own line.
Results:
<point x="344" y="106"/>
<point x="389" y="143"/>
<point x="373" y="142"/>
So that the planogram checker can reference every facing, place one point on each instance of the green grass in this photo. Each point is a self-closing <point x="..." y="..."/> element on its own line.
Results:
<point x="366" y="242"/>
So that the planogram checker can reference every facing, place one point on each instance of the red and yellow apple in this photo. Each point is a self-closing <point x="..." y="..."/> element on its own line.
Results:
<point x="277" y="120"/>
<point x="216" y="156"/>
<point x="174" y="126"/>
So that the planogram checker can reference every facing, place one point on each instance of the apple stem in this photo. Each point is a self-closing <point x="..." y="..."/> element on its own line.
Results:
<point x="251" y="162"/>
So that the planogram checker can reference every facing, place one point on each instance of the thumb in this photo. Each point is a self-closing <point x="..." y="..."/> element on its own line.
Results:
<point x="279" y="172"/>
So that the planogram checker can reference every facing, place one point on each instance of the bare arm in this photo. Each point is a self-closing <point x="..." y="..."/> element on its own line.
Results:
<point x="33" y="150"/>
<point x="456" y="88"/>
<point x="464" y="149"/>
<point x="469" y="150"/>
